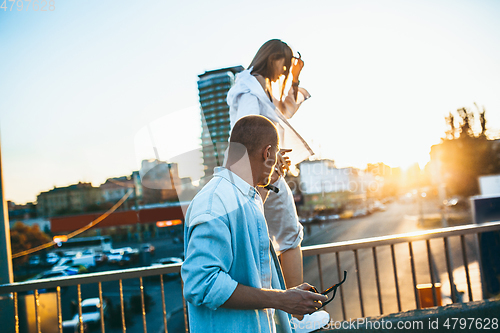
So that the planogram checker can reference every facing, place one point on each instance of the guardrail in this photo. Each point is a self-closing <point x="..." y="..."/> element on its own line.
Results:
<point x="333" y="248"/>
<point x="409" y="238"/>
<point x="133" y="273"/>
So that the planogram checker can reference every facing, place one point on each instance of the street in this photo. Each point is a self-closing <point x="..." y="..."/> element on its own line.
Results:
<point x="399" y="218"/>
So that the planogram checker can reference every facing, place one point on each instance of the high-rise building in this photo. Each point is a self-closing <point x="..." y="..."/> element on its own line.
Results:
<point x="213" y="87"/>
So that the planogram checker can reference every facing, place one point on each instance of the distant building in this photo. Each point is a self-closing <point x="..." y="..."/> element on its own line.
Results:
<point x="73" y="199"/>
<point x="213" y="87"/>
<point x="21" y="212"/>
<point x="160" y="181"/>
<point x="115" y="188"/>
<point x="324" y="186"/>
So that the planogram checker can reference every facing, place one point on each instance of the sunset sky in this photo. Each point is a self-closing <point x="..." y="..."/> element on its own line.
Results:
<point x="79" y="85"/>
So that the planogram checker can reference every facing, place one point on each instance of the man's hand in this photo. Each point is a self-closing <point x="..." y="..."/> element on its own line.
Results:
<point x="300" y="301"/>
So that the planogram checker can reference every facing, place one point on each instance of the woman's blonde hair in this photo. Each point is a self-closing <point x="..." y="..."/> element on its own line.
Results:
<point x="270" y="51"/>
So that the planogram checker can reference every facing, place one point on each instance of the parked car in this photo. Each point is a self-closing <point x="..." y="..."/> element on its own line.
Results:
<point x="120" y="258"/>
<point x="114" y="257"/>
<point x="168" y="261"/>
<point x="48" y="275"/>
<point x="148" y="248"/>
<point x="101" y="259"/>
<point x="69" y="270"/>
<point x="87" y="260"/>
<point x="91" y="314"/>
<point x="52" y="274"/>
<point x="52" y="258"/>
<point x="34" y="261"/>
<point x="69" y="326"/>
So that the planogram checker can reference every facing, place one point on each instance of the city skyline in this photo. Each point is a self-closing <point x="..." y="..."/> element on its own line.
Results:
<point x="82" y="83"/>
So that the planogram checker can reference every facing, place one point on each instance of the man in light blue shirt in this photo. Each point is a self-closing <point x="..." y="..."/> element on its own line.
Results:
<point x="231" y="281"/>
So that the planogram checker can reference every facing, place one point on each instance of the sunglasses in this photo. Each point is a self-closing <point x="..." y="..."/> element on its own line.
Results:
<point x="329" y="290"/>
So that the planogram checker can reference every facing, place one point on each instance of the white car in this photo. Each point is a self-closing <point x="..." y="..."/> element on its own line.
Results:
<point x="52" y="258"/>
<point x="91" y="313"/>
<point x="168" y="261"/>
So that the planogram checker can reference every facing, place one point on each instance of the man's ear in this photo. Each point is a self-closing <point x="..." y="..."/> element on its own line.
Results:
<point x="266" y="153"/>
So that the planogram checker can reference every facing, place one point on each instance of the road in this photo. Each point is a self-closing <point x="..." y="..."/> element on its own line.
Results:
<point x="398" y="218"/>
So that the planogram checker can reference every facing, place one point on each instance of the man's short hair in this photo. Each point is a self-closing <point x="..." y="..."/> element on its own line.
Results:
<point x="255" y="133"/>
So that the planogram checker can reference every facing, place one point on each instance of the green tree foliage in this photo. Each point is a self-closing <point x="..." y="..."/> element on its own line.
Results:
<point x="23" y="237"/>
<point x="466" y="153"/>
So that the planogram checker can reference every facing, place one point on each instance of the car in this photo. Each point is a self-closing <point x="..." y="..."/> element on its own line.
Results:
<point x="48" y="275"/>
<point x="69" y="270"/>
<point x="51" y="275"/>
<point x="87" y="260"/>
<point x="52" y="258"/>
<point x="360" y="212"/>
<point x="307" y="220"/>
<point x="120" y="259"/>
<point x="115" y="257"/>
<point x="101" y="258"/>
<point x="34" y="261"/>
<point x="148" y="248"/>
<point x="168" y="261"/>
<point x="91" y="314"/>
<point x="70" y="326"/>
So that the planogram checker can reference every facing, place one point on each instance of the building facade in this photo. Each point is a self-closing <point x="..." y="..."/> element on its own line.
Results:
<point x="73" y="199"/>
<point x="115" y="188"/>
<point x="213" y="87"/>
<point x="324" y="186"/>
<point x="160" y="181"/>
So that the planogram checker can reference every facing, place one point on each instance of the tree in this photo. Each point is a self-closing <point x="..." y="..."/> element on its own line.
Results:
<point x="466" y="152"/>
<point x="23" y="237"/>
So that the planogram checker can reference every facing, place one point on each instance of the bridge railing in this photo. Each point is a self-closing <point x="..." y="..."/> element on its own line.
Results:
<point x="444" y="236"/>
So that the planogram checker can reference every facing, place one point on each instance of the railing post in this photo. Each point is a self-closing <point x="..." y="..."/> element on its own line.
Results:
<point x="396" y="282"/>
<point x="321" y="284"/>
<point x="356" y="260"/>
<point x="449" y="267"/>
<point x="342" y="302"/>
<point x="414" y="275"/>
<point x="6" y="272"/>
<point x="466" y="267"/>
<point x="377" y="280"/>
<point x="431" y="271"/>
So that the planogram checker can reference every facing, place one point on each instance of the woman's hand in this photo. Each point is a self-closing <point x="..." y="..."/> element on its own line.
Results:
<point x="284" y="160"/>
<point x="282" y="165"/>
<point x="297" y="65"/>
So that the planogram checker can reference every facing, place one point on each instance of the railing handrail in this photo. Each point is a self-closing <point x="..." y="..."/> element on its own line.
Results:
<point x="114" y="275"/>
<point x="306" y="251"/>
<point x="399" y="238"/>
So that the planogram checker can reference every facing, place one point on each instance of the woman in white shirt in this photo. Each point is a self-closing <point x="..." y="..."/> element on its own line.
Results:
<point x="252" y="94"/>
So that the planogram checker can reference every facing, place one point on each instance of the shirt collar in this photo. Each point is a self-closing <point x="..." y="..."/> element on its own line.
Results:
<point x="234" y="179"/>
<point x="253" y="84"/>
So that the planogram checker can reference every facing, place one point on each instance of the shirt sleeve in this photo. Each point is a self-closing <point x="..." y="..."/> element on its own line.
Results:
<point x="248" y="104"/>
<point x="208" y="260"/>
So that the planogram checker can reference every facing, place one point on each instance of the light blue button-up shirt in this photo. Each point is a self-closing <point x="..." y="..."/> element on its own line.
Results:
<point x="226" y="243"/>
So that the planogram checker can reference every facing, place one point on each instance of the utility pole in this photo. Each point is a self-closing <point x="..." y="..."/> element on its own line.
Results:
<point x="6" y="272"/>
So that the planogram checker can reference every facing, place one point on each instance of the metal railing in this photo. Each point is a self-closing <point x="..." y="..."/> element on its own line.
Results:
<point x="371" y="244"/>
<point x="15" y="289"/>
